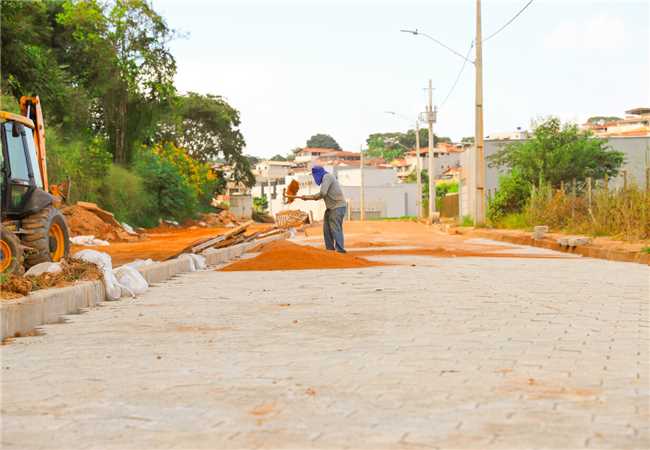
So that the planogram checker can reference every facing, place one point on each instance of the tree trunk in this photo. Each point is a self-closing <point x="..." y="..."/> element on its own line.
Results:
<point x="120" y="130"/>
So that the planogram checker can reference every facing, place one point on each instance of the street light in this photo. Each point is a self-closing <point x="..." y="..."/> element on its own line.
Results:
<point x="418" y="165"/>
<point x="416" y="32"/>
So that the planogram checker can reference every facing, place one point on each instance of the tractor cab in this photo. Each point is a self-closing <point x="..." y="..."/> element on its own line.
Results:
<point x="32" y="229"/>
<point x="22" y="191"/>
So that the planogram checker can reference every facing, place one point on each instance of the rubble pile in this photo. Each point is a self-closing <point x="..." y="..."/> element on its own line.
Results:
<point x="223" y="218"/>
<point x="291" y="218"/>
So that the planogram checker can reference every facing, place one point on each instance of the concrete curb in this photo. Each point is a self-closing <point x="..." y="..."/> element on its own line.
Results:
<point x="21" y="316"/>
<point x="584" y="250"/>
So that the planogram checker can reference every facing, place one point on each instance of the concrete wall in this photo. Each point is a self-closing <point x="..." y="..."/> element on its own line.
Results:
<point x="241" y="205"/>
<point x="637" y="158"/>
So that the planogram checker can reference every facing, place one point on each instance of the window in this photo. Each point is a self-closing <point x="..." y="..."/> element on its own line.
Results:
<point x="31" y="150"/>
<point x="17" y="161"/>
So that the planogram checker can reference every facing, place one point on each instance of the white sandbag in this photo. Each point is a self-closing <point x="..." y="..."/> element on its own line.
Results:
<point x="105" y="263"/>
<point x="138" y="263"/>
<point x="44" y="267"/>
<point x="88" y="241"/>
<point x="131" y="279"/>
<point x="197" y="262"/>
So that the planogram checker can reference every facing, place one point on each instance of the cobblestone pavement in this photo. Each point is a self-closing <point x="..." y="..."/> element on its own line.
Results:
<point x="450" y="353"/>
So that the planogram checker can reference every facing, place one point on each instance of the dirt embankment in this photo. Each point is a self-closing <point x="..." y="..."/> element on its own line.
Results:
<point x="283" y="255"/>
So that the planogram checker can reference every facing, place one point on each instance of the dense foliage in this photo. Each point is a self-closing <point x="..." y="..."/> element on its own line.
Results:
<point x="323" y="141"/>
<point x="104" y="73"/>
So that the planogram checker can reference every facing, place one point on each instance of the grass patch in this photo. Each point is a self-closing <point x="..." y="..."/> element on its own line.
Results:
<point x="646" y="250"/>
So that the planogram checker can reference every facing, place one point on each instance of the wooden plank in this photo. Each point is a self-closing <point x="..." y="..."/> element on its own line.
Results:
<point x="214" y="241"/>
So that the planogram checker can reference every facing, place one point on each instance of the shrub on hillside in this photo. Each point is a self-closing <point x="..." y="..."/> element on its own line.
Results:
<point x="171" y="194"/>
<point x="124" y="195"/>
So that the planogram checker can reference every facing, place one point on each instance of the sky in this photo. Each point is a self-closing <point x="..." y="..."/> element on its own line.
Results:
<point x="296" y="68"/>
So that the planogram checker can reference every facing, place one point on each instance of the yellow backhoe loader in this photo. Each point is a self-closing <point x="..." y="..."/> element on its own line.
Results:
<point x="32" y="229"/>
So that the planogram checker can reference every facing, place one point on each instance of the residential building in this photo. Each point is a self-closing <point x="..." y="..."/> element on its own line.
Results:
<point x="635" y="124"/>
<point x="308" y="154"/>
<point x="445" y="157"/>
<point x="273" y="169"/>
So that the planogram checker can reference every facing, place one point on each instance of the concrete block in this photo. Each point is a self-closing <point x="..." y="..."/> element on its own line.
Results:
<point x="573" y="241"/>
<point x="155" y="273"/>
<point x="539" y="232"/>
<point x="23" y="315"/>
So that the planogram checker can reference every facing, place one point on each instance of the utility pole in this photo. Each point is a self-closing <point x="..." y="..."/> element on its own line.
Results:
<point x="362" y="197"/>
<point x="432" y="183"/>
<point x="479" y="203"/>
<point x="418" y="169"/>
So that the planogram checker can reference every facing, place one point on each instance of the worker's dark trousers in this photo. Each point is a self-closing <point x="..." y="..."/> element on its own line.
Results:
<point x="333" y="229"/>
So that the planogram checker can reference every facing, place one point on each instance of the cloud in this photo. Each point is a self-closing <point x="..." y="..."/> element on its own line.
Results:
<point x="599" y="32"/>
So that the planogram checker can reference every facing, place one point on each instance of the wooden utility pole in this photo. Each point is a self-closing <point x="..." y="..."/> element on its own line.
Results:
<point x="432" y="183"/>
<point x="362" y="197"/>
<point x="479" y="213"/>
<point x="418" y="169"/>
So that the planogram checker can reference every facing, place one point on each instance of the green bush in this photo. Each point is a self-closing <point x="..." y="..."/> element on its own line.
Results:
<point x="260" y="204"/>
<point x="171" y="195"/>
<point x="513" y="193"/>
<point x="123" y="194"/>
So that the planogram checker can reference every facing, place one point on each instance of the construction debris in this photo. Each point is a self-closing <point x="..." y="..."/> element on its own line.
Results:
<point x="71" y="270"/>
<point x="291" y="218"/>
<point x="222" y="240"/>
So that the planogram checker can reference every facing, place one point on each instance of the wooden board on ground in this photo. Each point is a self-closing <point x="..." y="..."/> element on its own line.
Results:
<point x="214" y="241"/>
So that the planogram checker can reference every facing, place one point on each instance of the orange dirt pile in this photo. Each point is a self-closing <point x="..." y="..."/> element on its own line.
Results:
<point x="82" y="222"/>
<point x="283" y="255"/>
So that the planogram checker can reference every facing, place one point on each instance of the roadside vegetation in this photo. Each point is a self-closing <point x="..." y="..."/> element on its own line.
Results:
<point x="118" y="132"/>
<point x="560" y="178"/>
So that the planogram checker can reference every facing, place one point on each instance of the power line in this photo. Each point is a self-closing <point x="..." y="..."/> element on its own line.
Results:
<point x="460" y="72"/>
<point x="508" y="22"/>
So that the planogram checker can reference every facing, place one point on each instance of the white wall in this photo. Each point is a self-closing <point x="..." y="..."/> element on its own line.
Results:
<point x="382" y="197"/>
<point x="241" y="205"/>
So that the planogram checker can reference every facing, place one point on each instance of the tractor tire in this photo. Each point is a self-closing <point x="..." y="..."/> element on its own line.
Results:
<point x="11" y="253"/>
<point x="47" y="235"/>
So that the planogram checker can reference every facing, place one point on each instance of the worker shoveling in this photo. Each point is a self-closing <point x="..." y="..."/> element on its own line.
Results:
<point x="335" y="206"/>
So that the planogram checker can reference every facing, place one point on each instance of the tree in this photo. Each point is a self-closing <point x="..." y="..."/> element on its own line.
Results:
<point x="119" y="51"/>
<point x="467" y="140"/>
<point x="559" y="153"/>
<point x="278" y="157"/>
<point x="31" y="64"/>
<point x="323" y="141"/>
<point x="207" y="127"/>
